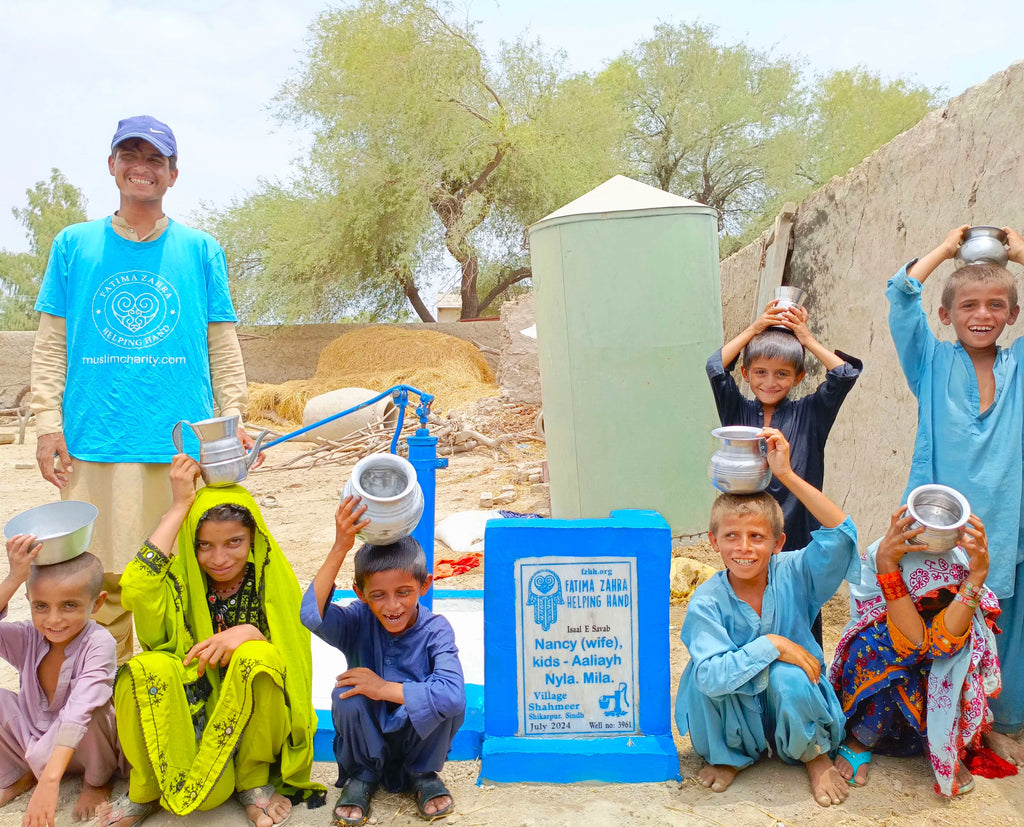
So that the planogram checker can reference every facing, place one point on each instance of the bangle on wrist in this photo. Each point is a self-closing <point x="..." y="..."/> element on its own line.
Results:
<point x="968" y="589"/>
<point x="970" y="602"/>
<point x="892" y="585"/>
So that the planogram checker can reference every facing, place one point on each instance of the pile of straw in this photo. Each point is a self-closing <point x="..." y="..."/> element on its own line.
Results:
<point x="379" y="357"/>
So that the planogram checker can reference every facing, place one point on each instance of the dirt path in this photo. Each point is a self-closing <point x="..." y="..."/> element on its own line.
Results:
<point x="899" y="793"/>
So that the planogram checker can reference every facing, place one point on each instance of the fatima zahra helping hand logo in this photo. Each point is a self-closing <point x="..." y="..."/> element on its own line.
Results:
<point x="135" y="309"/>
<point x="545" y="595"/>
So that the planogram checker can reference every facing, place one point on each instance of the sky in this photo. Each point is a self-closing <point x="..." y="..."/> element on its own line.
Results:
<point x="211" y="69"/>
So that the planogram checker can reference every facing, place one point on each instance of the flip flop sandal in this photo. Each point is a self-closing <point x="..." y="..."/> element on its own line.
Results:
<point x="966" y="788"/>
<point x="428" y="786"/>
<point x="355" y="793"/>
<point x="856" y="760"/>
<point x="123" y="807"/>
<point x="260" y="797"/>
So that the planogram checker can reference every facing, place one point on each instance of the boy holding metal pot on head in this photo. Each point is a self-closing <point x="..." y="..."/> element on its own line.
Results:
<point x="399" y="704"/>
<point x="754" y="683"/>
<point x="970" y="425"/>
<point x="773" y="363"/>
<point x="62" y="719"/>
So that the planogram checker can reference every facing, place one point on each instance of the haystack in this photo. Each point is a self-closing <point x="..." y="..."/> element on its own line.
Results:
<point x="379" y="357"/>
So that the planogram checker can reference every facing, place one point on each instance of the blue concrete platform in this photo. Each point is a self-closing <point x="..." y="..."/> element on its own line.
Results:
<point x="576" y="649"/>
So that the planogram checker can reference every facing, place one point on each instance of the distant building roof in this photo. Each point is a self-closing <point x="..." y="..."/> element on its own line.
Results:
<point x="449" y="300"/>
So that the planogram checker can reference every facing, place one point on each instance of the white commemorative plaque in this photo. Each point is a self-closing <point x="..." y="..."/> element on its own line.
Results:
<point x="576" y="644"/>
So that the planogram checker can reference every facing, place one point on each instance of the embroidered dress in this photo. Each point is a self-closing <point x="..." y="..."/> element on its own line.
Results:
<point x="900" y="698"/>
<point x="241" y="608"/>
<point x="193" y="741"/>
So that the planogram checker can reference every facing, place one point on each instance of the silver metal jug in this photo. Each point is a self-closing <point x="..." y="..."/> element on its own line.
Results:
<point x="222" y="459"/>
<point x="740" y="465"/>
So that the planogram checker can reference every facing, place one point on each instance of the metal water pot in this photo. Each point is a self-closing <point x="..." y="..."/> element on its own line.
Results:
<point x="740" y="465"/>
<point x="388" y="487"/>
<point x="943" y="511"/>
<point x="222" y="459"/>
<point x="983" y="243"/>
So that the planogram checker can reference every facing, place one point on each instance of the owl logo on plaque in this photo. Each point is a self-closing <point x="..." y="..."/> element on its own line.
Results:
<point x="545" y="595"/>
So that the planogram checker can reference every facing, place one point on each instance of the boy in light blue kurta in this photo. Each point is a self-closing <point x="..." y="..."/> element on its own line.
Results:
<point x="970" y="426"/>
<point x="755" y="670"/>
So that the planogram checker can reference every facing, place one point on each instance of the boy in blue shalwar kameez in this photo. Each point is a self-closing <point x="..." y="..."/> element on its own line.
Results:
<point x="401" y="701"/>
<point x="970" y="398"/>
<point x="755" y="670"/>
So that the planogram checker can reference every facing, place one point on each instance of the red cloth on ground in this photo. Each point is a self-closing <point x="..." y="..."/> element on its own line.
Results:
<point x="450" y="568"/>
<point x="982" y="761"/>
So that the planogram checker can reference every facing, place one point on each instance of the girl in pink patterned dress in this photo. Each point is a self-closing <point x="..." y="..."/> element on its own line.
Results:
<point x="916" y="665"/>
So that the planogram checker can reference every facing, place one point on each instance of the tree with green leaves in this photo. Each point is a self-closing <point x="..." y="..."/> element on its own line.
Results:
<point x="739" y="130"/>
<point x="709" y="122"/>
<point x="52" y="206"/>
<point x="427" y="154"/>
<point x="851" y="114"/>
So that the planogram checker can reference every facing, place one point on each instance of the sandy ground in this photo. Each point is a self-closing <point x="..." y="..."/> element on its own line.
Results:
<point x="899" y="792"/>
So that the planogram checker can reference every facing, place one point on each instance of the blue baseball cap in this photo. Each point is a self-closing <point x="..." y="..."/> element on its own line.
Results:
<point x="148" y="128"/>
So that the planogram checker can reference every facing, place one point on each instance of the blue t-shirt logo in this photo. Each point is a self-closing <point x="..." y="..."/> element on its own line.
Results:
<point x="135" y="309"/>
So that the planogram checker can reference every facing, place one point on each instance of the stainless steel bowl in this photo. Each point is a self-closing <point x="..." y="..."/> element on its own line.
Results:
<point x="943" y="511"/>
<point x="980" y="244"/>
<point x="790" y="296"/>
<point x="64" y="529"/>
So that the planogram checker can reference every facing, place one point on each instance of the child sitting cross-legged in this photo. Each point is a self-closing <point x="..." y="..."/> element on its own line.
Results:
<point x="917" y="662"/>
<point x="754" y="681"/>
<point x="62" y="720"/>
<point x="402" y="699"/>
<point x="220" y="701"/>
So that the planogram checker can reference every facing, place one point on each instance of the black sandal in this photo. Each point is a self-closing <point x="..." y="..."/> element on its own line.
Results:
<point x="426" y="787"/>
<point x="355" y="793"/>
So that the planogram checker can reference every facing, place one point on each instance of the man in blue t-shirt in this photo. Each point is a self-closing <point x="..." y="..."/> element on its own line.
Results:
<point x="136" y="332"/>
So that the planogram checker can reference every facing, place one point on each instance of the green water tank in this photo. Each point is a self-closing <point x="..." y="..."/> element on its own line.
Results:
<point x="628" y="307"/>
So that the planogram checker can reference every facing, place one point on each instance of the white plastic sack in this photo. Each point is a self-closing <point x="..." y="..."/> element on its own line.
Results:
<point x="464" y="531"/>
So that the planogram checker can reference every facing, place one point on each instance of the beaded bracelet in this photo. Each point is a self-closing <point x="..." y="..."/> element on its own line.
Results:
<point x="970" y="601"/>
<point x="892" y="585"/>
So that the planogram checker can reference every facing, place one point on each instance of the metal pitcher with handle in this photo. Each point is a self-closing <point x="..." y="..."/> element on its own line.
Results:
<point x="222" y="458"/>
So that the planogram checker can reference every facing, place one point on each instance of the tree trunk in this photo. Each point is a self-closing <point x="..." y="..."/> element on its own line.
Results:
<point x="470" y="301"/>
<point x="415" y="300"/>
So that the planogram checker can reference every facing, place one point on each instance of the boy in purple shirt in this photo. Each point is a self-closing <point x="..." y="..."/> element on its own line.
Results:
<point x="401" y="701"/>
<point x="62" y="720"/>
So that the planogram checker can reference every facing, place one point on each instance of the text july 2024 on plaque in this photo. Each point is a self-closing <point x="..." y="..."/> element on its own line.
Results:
<point x="576" y="644"/>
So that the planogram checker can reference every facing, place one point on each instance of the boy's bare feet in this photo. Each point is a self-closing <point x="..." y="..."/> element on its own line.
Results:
<point x="1005" y="746"/>
<point x="23" y="784"/>
<point x="827" y="785"/>
<point x="717" y="777"/>
<point x="845" y="767"/>
<point x="90" y="800"/>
